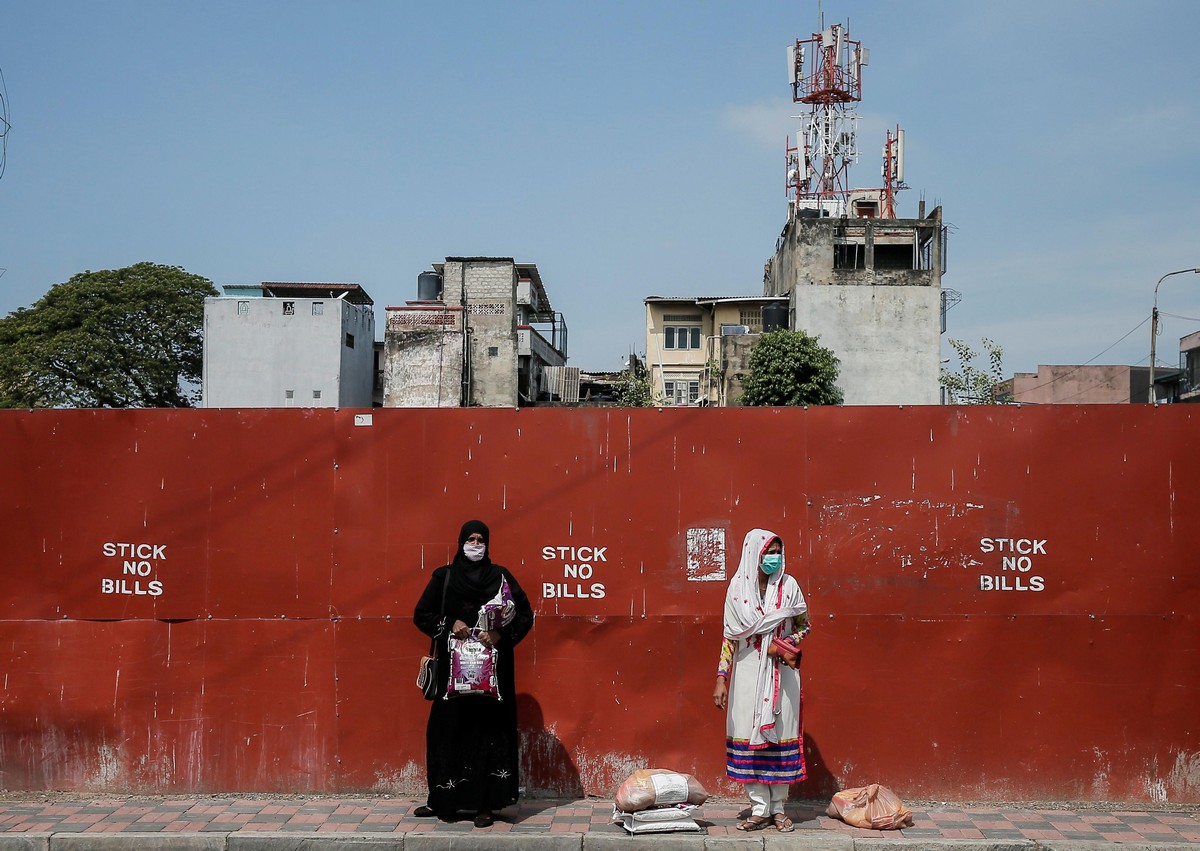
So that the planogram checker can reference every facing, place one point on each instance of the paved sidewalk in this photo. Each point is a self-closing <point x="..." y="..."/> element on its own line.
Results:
<point x="78" y="822"/>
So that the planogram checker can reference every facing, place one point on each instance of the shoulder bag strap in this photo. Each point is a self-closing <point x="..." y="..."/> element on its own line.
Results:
<point x="433" y="641"/>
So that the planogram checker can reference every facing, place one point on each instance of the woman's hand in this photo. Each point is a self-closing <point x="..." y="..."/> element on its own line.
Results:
<point x="460" y="630"/>
<point x="792" y="661"/>
<point x="490" y="638"/>
<point x="721" y="693"/>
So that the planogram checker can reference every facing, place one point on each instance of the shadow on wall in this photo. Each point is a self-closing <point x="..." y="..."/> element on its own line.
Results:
<point x="547" y="770"/>
<point x="821" y="784"/>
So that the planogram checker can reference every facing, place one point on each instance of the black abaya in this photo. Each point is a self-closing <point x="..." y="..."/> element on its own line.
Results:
<point x="471" y="741"/>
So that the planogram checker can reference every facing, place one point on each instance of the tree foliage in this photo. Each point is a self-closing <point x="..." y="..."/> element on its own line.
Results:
<point x="118" y="338"/>
<point x="633" y="389"/>
<point x="791" y="368"/>
<point x="970" y="385"/>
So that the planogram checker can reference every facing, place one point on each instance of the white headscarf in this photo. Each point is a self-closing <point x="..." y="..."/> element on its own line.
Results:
<point x="745" y="615"/>
<point x="748" y="614"/>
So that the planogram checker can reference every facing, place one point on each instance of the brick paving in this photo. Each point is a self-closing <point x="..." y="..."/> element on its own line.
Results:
<point x="385" y="815"/>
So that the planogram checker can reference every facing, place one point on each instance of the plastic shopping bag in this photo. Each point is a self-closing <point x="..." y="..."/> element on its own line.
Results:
<point x="873" y="807"/>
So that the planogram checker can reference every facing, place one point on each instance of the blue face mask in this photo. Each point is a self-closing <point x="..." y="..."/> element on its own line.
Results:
<point x="772" y="563"/>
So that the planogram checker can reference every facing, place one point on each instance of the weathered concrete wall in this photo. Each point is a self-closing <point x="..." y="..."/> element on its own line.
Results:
<point x="882" y="322"/>
<point x="201" y="601"/>
<point x="490" y="285"/>
<point x="886" y="338"/>
<point x="423" y="359"/>
<point x="735" y="358"/>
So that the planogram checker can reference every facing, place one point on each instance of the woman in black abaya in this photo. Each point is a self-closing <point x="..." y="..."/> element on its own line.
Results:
<point x="471" y="740"/>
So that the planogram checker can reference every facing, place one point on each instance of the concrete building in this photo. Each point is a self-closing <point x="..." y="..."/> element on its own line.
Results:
<point x="283" y="345"/>
<point x="481" y="332"/>
<point x="1093" y="384"/>
<point x="870" y="289"/>
<point x="1182" y="384"/>
<point x="863" y="280"/>
<point x="1189" y="363"/>
<point x="698" y="348"/>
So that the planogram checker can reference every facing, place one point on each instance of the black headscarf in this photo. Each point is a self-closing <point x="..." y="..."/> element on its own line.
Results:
<point x="470" y="528"/>
<point x="474" y="582"/>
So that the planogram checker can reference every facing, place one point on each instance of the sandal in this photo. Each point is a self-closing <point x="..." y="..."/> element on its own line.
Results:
<point x="424" y="811"/>
<point x="484" y="820"/>
<point x="754" y="823"/>
<point x="782" y="823"/>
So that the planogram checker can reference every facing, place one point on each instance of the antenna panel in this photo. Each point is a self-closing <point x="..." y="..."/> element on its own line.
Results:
<point x="899" y="156"/>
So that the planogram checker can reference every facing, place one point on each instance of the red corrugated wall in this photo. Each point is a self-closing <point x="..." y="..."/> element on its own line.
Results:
<point x="1004" y="599"/>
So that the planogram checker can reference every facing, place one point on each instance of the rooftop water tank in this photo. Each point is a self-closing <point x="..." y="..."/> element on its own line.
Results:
<point x="774" y="317"/>
<point x="429" y="286"/>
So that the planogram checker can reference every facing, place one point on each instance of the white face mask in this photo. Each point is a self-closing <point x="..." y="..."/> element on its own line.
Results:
<point x="474" y="551"/>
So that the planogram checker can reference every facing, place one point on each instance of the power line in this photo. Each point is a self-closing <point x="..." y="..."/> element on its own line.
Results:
<point x="1177" y="316"/>
<point x="1089" y="360"/>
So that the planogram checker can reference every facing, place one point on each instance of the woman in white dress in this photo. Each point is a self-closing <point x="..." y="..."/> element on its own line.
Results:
<point x="758" y="684"/>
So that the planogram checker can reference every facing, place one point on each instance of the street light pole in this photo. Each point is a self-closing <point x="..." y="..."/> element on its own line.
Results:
<point x="1154" y="325"/>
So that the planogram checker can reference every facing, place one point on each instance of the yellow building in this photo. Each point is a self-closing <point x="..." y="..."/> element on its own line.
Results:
<point x="698" y="348"/>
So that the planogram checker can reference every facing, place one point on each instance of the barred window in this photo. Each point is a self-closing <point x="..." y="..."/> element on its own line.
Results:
<point x="681" y="392"/>
<point x="752" y="319"/>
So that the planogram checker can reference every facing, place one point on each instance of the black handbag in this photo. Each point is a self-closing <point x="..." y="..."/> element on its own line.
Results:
<point x="427" y="673"/>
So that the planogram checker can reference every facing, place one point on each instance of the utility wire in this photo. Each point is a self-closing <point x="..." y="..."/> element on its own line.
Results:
<point x="1089" y="360"/>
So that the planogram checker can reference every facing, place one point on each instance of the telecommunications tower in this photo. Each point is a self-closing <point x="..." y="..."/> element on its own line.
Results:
<point x="825" y="72"/>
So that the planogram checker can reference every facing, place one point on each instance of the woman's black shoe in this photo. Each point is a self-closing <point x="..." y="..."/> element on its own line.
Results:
<point x="424" y="811"/>
<point x="484" y="820"/>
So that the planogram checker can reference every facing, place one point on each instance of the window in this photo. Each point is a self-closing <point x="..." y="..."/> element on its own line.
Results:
<point x="682" y="337"/>
<point x="493" y="351"/>
<point x="289" y="308"/>
<point x="316" y="394"/>
<point x="318" y="308"/>
<point x="349" y="341"/>
<point x="889" y="256"/>
<point x="752" y="319"/>
<point x="243" y="308"/>
<point x="681" y="391"/>
<point x="849" y="255"/>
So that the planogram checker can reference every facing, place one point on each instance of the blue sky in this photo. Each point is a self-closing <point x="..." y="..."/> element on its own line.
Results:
<point x="627" y="148"/>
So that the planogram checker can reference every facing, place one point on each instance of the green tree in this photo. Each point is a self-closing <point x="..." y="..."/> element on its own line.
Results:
<point x="118" y="338"/>
<point x="633" y="388"/>
<point x="970" y="385"/>
<point x="791" y="368"/>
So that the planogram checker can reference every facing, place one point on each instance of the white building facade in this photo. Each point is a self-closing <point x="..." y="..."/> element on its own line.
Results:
<point x="289" y="346"/>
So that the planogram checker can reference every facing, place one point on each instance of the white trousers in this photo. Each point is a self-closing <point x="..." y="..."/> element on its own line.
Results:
<point x="766" y="799"/>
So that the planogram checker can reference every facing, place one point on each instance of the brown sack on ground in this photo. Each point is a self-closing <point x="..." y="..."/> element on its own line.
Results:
<point x="658" y="787"/>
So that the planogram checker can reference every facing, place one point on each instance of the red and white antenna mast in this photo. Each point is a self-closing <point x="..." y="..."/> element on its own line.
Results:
<point x="893" y="171"/>
<point x="825" y="71"/>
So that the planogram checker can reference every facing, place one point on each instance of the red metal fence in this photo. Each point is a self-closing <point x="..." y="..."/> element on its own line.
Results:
<point x="1004" y="599"/>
